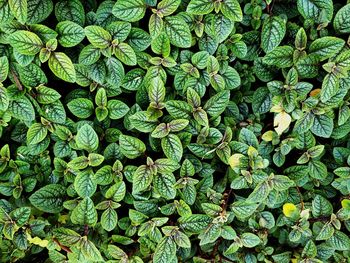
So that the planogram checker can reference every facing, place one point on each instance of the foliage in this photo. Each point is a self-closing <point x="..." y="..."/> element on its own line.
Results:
<point x="174" y="131"/>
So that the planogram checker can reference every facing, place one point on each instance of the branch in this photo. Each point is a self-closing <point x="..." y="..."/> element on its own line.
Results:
<point x="64" y="248"/>
<point x="301" y="198"/>
<point x="17" y="82"/>
<point x="86" y="230"/>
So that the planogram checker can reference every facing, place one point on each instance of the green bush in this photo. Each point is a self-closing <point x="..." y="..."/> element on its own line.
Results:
<point x="170" y="131"/>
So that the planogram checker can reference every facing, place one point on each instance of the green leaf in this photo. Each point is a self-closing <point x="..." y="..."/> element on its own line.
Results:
<point x="260" y="193"/>
<point x="317" y="170"/>
<point x="307" y="66"/>
<point x="54" y="112"/>
<point x="341" y="21"/>
<point x="155" y="27"/>
<point x="172" y="147"/>
<point x="156" y="92"/>
<point x="322" y="126"/>
<point x="141" y="122"/>
<point x="21" y="215"/>
<point x="261" y="100"/>
<point x="4" y="100"/>
<point x="125" y="54"/>
<point x="194" y="223"/>
<point x="164" y="185"/>
<point x="160" y="131"/>
<point x="116" y="252"/>
<point x="89" y="250"/>
<point x="117" y="109"/>
<point x="65" y="236"/>
<point x="19" y="9"/>
<point x="330" y="87"/>
<point x="89" y="55"/>
<point x="217" y="103"/>
<point x="326" y="232"/>
<point x="70" y="34"/>
<point x="109" y="219"/>
<point x="80" y="107"/>
<point x="98" y="37"/>
<point x="166" y="165"/>
<point x="321" y="206"/>
<point x="165" y="250"/>
<point x="119" y="30"/>
<point x="178" y="32"/>
<point x="167" y="7"/>
<point x="232" y="248"/>
<point x="47" y="95"/>
<point x="182" y="240"/>
<point x="25" y="42"/>
<point x="84" y="213"/>
<point x="231" y="78"/>
<point x="70" y="10"/>
<point x="142" y="178"/>
<point x="38" y="10"/>
<point x="312" y="9"/>
<point x="281" y="57"/>
<point x="248" y="137"/>
<point x="131" y="147"/>
<point x="210" y="234"/>
<point x="49" y="198"/>
<point x="139" y="39"/>
<point x="244" y="209"/>
<point x="339" y="241"/>
<point x="326" y="47"/>
<point x="200" y="7"/>
<point x="342" y="171"/>
<point x="178" y="109"/>
<point x="305" y="122"/>
<point x="32" y="75"/>
<point x="178" y="125"/>
<point x="84" y="184"/>
<point x="116" y="192"/>
<point x="22" y="109"/>
<point x="5" y="12"/>
<point x="61" y="65"/>
<point x="95" y="159"/>
<point x="232" y="10"/>
<point x="79" y="163"/>
<point x="4" y="68"/>
<point x="36" y="133"/>
<point x="130" y="11"/>
<point x="213" y="65"/>
<point x="220" y="29"/>
<point x="273" y="31"/>
<point x="115" y="72"/>
<point x="250" y="240"/>
<point x="315" y="151"/>
<point x="87" y="138"/>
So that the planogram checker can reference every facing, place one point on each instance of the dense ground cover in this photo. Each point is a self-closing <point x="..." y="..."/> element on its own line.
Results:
<point x="174" y="131"/>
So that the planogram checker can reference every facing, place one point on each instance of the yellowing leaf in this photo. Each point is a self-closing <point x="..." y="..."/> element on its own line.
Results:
<point x="63" y="219"/>
<point x="233" y="161"/>
<point x="268" y="136"/>
<point x="345" y="203"/>
<point x="281" y="122"/>
<point x="252" y="152"/>
<point x="315" y="92"/>
<point x="37" y="241"/>
<point x="289" y="209"/>
<point x="277" y="108"/>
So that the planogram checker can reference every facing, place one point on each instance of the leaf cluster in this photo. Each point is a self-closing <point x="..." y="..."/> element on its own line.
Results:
<point x="174" y="131"/>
